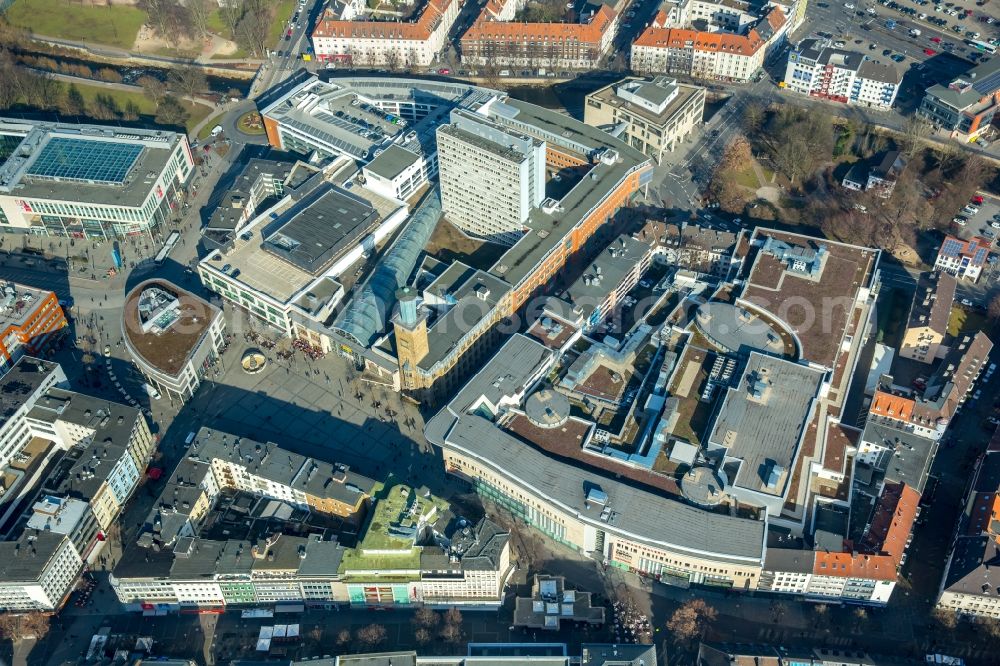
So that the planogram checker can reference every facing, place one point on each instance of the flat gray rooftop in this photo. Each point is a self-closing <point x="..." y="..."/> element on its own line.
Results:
<point x="641" y="515"/>
<point x="392" y="162"/>
<point x="763" y="418"/>
<point x="319" y="227"/>
<point x="90" y="164"/>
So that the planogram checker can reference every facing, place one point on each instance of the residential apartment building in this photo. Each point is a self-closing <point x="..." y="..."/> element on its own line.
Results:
<point x="692" y="247"/>
<point x="930" y="312"/>
<point x="173" y="336"/>
<point x="89" y="181"/>
<point x="412" y="550"/>
<point x="971" y="584"/>
<point x="606" y="281"/>
<point x="107" y="447"/>
<point x="29" y="319"/>
<point x="491" y="177"/>
<point x="652" y="115"/>
<point x="878" y="176"/>
<point x="370" y="39"/>
<point x="672" y="46"/>
<point x="868" y="573"/>
<point x="967" y="106"/>
<point x="33" y="378"/>
<point x="243" y="465"/>
<point x="964" y="259"/>
<point x="495" y="39"/>
<point x="927" y="412"/>
<point x="37" y="571"/>
<point x="817" y="69"/>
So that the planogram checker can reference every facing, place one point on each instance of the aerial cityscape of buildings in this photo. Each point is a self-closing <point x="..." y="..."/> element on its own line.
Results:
<point x="539" y="317"/>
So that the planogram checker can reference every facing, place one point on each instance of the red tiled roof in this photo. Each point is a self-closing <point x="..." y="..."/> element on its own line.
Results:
<point x="486" y="28"/>
<point x="331" y="26"/>
<point x="851" y="565"/>
<point x="678" y="38"/>
<point x="892" y="406"/>
<point x="893" y="521"/>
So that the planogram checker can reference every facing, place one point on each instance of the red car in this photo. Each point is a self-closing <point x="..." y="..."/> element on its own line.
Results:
<point x="936" y="40"/>
<point x="444" y="70"/>
<point x="930" y="52"/>
<point x="978" y="200"/>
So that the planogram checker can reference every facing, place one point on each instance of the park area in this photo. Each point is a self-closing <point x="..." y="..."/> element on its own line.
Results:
<point x="195" y="28"/>
<point x="114" y="25"/>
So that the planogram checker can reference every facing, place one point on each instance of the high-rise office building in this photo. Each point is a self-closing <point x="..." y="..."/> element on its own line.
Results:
<point x="491" y="177"/>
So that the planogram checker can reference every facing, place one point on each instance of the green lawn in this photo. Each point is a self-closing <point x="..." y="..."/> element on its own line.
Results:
<point x="112" y="25"/>
<point x="282" y="13"/>
<point x="146" y="106"/>
<point x="747" y="178"/>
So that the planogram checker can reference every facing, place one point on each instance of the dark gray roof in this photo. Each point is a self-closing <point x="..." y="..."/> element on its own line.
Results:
<point x="590" y="290"/>
<point x="481" y="546"/>
<point x="877" y="71"/>
<point x="268" y="460"/>
<point x="112" y="424"/>
<point x="322" y="557"/>
<point x="968" y="89"/>
<point x="27" y="557"/>
<point x="239" y="181"/>
<point x="20" y="382"/>
<point x="475" y="294"/>
<point x="318" y="228"/>
<point x="909" y="458"/>
<point x="789" y="560"/>
<point x="932" y="301"/>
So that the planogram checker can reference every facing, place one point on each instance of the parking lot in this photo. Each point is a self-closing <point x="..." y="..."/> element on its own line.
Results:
<point x="981" y="217"/>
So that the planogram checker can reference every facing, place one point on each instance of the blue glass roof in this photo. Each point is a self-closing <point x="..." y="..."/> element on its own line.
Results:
<point x="85" y="160"/>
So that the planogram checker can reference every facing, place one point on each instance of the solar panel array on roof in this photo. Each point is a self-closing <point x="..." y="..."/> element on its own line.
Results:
<point x="952" y="247"/>
<point x="988" y="85"/>
<point x="85" y="160"/>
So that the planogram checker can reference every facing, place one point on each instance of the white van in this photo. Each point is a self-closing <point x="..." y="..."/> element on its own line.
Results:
<point x="189" y="438"/>
<point x="151" y="390"/>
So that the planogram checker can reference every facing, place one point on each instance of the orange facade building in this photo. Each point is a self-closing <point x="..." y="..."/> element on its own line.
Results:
<point x="29" y="319"/>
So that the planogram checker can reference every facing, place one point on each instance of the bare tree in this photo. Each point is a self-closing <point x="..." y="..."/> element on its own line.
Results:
<point x="453" y="616"/>
<point x="425" y="618"/>
<point x="990" y="625"/>
<point x="344" y="637"/>
<point x="422" y="636"/>
<point x="915" y="131"/>
<point x="393" y="61"/>
<point x="188" y="80"/>
<point x="690" y="621"/>
<point x="153" y="88"/>
<point x="17" y="626"/>
<point x="945" y="619"/>
<point x="372" y="635"/>
<point x="201" y="12"/>
<point x="451" y="633"/>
